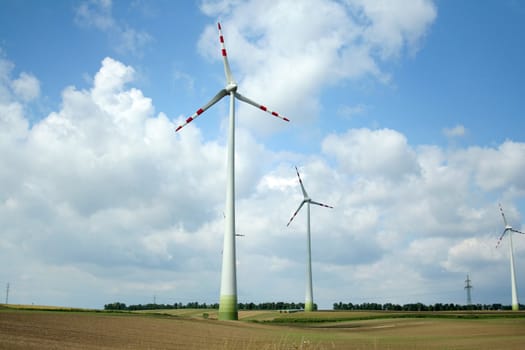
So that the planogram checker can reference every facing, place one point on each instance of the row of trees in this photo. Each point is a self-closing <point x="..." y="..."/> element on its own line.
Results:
<point x="273" y="306"/>
<point x="153" y="306"/>
<point x="299" y="306"/>
<point x="421" y="307"/>
<point x="196" y="305"/>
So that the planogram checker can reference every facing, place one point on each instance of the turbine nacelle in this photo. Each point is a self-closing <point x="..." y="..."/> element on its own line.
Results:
<point x="231" y="87"/>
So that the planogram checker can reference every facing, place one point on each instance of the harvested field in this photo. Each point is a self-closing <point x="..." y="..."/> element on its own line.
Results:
<point x="30" y="329"/>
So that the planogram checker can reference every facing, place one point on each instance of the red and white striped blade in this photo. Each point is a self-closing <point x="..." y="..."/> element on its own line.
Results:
<point x="301" y="183"/>
<point x="201" y="110"/>
<point x="501" y="237"/>
<point x="260" y="106"/>
<point x="294" y="214"/>
<point x="503" y="215"/>
<point x="513" y="230"/>
<point x="227" y="71"/>
<point x="321" y="204"/>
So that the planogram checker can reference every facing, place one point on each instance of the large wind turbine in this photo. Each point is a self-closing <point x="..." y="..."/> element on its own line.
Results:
<point x="228" y="297"/>
<point x="508" y="229"/>
<point x="309" y="298"/>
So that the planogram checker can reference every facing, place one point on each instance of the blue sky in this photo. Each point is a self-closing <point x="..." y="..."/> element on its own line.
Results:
<point x="466" y="71"/>
<point x="406" y="117"/>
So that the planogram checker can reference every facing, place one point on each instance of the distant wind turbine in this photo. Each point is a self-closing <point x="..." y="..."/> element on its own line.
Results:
<point x="228" y="296"/>
<point x="508" y="229"/>
<point x="309" y="298"/>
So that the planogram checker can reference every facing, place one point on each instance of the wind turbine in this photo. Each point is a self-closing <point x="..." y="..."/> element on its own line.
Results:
<point x="309" y="298"/>
<point x="228" y="296"/>
<point x="509" y="229"/>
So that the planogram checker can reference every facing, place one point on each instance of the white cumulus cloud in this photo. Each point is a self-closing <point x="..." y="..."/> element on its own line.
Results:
<point x="27" y="87"/>
<point x="325" y="42"/>
<point x="383" y="153"/>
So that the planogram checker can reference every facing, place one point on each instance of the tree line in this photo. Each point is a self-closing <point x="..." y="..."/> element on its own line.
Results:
<point x="196" y="305"/>
<point x="300" y="306"/>
<point x="421" y="307"/>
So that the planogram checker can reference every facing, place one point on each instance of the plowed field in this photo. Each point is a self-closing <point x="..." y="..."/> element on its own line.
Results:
<point x="22" y="329"/>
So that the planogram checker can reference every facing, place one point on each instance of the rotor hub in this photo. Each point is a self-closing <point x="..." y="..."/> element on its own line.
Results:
<point x="231" y="87"/>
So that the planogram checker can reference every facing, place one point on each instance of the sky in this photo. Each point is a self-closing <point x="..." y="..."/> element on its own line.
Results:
<point x="406" y="117"/>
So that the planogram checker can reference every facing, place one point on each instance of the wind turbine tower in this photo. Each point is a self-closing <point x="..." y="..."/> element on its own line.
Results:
<point x="468" y="287"/>
<point x="228" y="297"/>
<point x="508" y="229"/>
<point x="309" y="298"/>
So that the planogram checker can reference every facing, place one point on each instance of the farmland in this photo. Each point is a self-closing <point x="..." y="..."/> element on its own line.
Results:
<point x="46" y="328"/>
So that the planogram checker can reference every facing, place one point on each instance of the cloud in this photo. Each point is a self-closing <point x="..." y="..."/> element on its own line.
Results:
<point x="98" y="14"/>
<point x="326" y="42"/>
<point x="185" y="79"/>
<point x="351" y="111"/>
<point x="27" y="87"/>
<point x="383" y="153"/>
<point x="495" y="168"/>
<point x="475" y="251"/>
<point x="104" y="184"/>
<point x="457" y="131"/>
<point x="103" y="193"/>
<point x="390" y="26"/>
<point x="13" y="94"/>
<point x="23" y="89"/>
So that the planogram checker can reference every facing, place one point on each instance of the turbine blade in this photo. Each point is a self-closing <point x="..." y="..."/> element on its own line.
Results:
<point x="501" y="237"/>
<point x="321" y="204"/>
<point x="260" y="106"/>
<point x="503" y="215"/>
<point x="301" y="183"/>
<point x="294" y="214"/>
<point x="227" y="71"/>
<point x="201" y="110"/>
<point x="513" y="230"/>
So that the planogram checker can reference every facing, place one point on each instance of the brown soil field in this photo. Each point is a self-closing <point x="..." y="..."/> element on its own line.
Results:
<point x="29" y="329"/>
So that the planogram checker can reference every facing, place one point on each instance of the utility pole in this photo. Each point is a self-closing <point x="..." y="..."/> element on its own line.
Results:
<point x="468" y="287"/>
<point x="7" y="294"/>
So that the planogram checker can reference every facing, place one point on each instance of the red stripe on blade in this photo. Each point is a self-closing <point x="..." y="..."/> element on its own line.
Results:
<point x="224" y="52"/>
<point x="263" y="108"/>
<point x="286" y="119"/>
<point x="189" y="120"/>
<point x="178" y="128"/>
<point x="275" y="114"/>
<point x="199" y="112"/>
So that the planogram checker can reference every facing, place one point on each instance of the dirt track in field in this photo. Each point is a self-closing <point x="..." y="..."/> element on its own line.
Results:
<point x="85" y="330"/>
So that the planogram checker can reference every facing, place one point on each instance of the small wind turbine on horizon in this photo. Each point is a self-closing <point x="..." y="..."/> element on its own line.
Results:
<point x="508" y="229"/>
<point x="228" y="297"/>
<point x="309" y="298"/>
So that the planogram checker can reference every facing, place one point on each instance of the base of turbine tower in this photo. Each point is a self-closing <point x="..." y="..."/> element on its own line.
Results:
<point x="515" y="307"/>
<point x="308" y="306"/>
<point x="228" y="308"/>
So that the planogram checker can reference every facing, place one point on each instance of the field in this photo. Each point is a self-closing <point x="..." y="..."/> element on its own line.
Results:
<point x="45" y="328"/>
